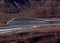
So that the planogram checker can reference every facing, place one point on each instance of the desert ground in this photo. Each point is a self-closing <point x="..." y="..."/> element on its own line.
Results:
<point x="46" y="34"/>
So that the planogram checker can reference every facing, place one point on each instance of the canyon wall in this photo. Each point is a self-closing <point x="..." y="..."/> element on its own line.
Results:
<point x="30" y="8"/>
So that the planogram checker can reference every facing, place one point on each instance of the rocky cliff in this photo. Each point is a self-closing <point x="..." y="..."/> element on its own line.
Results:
<point x="30" y="8"/>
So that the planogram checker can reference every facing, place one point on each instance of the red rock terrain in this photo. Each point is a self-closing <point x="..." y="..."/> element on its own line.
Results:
<point x="36" y="9"/>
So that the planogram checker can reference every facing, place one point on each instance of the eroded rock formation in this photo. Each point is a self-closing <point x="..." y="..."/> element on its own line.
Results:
<point x="31" y="8"/>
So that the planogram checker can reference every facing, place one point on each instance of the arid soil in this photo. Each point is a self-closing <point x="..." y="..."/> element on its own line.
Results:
<point x="47" y="34"/>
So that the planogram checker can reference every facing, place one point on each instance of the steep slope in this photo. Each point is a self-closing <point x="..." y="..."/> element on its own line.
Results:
<point x="31" y="8"/>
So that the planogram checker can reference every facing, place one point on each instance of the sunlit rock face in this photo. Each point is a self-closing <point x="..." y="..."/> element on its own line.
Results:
<point x="30" y="8"/>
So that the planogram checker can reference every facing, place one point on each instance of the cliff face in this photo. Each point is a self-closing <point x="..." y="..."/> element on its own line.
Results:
<point x="30" y="8"/>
